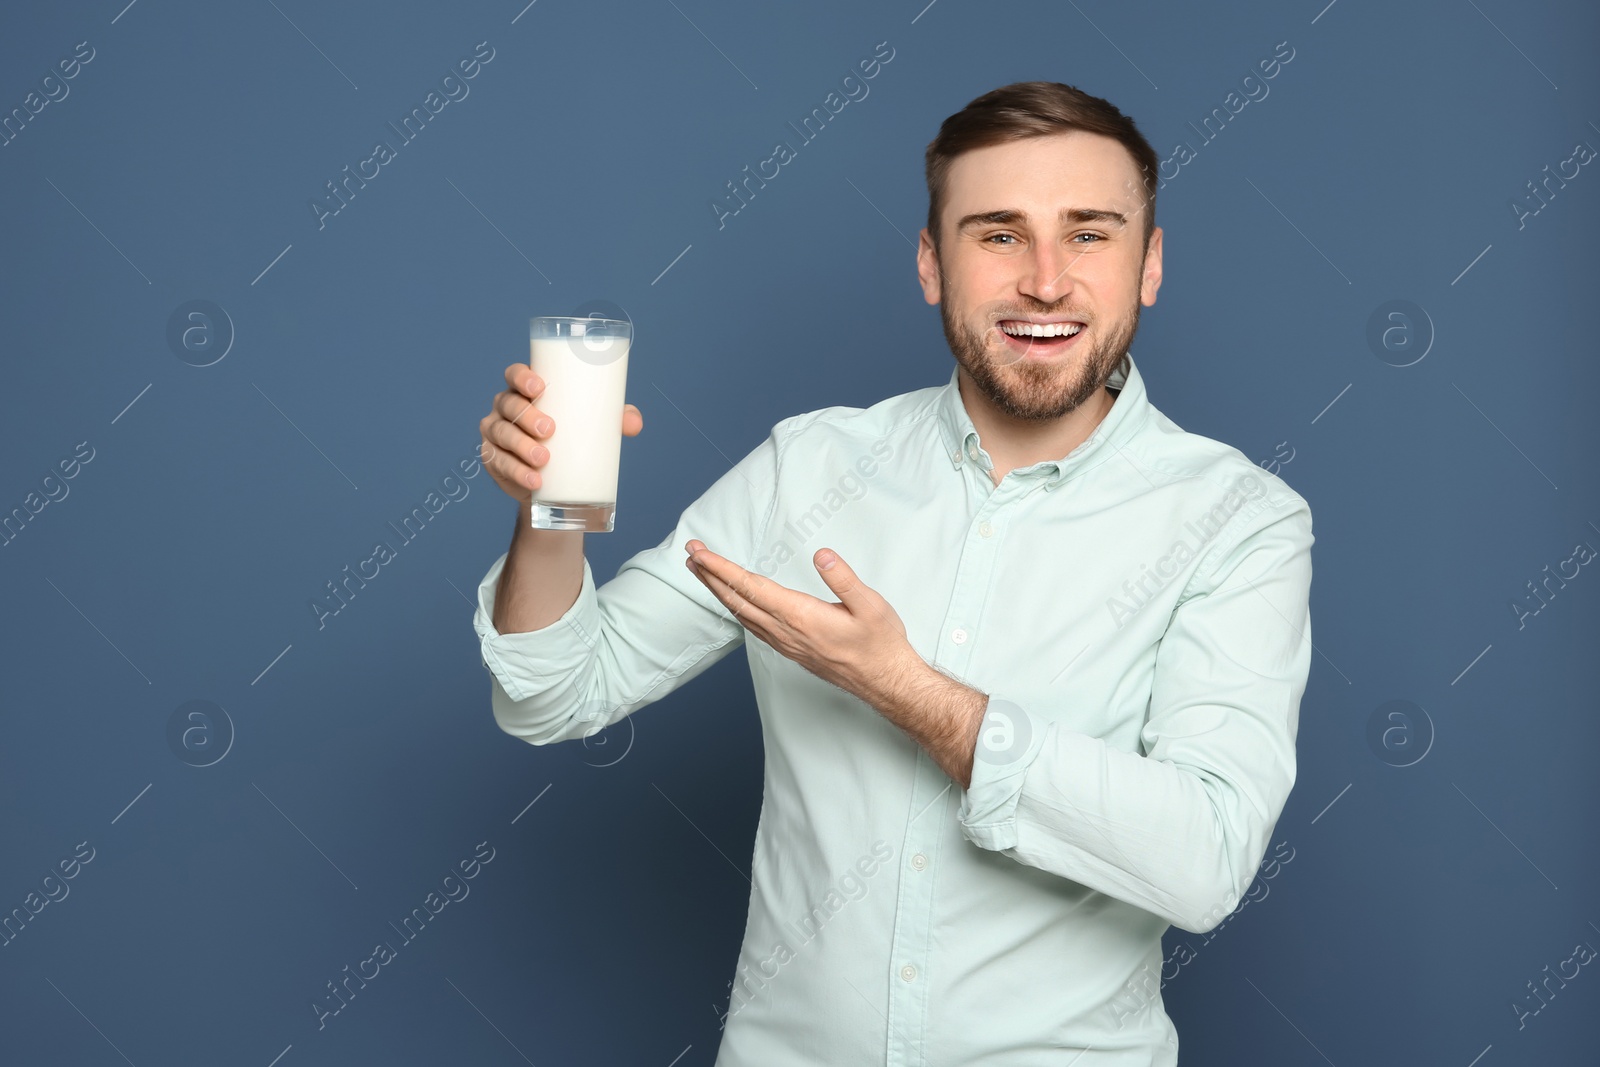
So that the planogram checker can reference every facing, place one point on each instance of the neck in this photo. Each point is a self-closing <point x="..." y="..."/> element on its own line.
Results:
<point x="1013" y="443"/>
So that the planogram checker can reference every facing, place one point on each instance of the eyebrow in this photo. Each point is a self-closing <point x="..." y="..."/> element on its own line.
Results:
<point x="1008" y="216"/>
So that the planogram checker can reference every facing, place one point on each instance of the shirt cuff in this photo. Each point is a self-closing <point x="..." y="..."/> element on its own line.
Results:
<point x="530" y="662"/>
<point x="1009" y="740"/>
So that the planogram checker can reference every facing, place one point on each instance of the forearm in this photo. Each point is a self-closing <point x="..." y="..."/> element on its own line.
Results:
<point x="1179" y="839"/>
<point x="541" y="579"/>
<point x="936" y="711"/>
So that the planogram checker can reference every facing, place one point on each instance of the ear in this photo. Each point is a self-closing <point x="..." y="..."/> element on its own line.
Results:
<point x="1150" y="272"/>
<point x="928" y="267"/>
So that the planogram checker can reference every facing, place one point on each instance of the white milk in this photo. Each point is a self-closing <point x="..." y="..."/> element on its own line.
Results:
<point x="585" y="401"/>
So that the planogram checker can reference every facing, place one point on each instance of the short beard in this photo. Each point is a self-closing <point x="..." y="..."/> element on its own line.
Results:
<point x="1037" y="392"/>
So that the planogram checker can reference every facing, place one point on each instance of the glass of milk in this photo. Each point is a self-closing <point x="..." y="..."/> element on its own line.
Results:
<point x="584" y="365"/>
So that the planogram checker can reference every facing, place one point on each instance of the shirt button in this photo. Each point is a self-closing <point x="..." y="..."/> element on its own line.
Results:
<point x="919" y="861"/>
<point x="972" y="450"/>
<point x="959" y="636"/>
<point x="986" y="528"/>
<point x="908" y="972"/>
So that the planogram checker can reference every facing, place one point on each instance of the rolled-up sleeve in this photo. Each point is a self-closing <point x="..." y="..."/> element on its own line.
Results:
<point x="522" y="663"/>
<point x="1180" y="829"/>
<point x="647" y="631"/>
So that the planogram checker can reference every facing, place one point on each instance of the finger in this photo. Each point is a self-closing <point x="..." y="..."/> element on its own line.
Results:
<point x="768" y="596"/>
<point x="751" y="616"/>
<point x="632" y="421"/>
<point x="508" y="437"/>
<point x="505" y="465"/>
<point x="857" y="596"/>
<point x="520" y="377"/>
<point x="839" y="577"/>
<point x="516" y="408"/>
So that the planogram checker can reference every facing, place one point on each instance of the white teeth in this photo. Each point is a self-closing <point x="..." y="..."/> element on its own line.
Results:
<point x="1054" y="329"/>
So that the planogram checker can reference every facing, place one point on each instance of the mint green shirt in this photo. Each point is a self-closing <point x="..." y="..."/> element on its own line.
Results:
<point x="1136" y="612"/>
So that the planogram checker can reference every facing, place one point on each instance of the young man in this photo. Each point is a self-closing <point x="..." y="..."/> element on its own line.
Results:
<point x="1028" y="656"/>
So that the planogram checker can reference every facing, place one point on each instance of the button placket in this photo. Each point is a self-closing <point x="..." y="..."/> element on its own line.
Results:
<point x="931" y="799"/>
<point x="928" y="815"/>
<point x="975" y="553"/>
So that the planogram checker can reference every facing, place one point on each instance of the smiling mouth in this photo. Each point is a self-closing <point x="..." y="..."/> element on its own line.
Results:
<point x="1039" y="338"/>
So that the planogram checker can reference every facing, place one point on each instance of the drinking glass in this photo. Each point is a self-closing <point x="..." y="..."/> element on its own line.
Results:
<point x="584" y="365"/>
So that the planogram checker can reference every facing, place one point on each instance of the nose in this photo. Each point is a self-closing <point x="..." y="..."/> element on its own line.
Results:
<point x="1046" y="272"/>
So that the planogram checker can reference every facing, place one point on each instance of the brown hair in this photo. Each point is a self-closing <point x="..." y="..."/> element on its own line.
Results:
<point x="1033" y="109"/>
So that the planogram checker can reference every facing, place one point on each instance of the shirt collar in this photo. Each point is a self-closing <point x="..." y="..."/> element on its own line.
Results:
<point x="961" y="444"/>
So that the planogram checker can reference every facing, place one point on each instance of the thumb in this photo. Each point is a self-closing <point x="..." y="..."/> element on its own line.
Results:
<point x="841" y="579"/>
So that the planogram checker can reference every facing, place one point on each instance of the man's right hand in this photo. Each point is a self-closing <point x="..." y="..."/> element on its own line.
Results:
<point x="516" y="433"/>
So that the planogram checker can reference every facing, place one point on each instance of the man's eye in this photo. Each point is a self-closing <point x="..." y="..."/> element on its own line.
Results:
<point x="1095" y="238"/>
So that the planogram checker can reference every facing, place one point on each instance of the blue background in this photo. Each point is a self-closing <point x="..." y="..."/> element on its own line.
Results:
<point x="364" y="761"/>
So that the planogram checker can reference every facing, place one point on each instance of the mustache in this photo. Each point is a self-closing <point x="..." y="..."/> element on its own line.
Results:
<point x="1042" y="313"/>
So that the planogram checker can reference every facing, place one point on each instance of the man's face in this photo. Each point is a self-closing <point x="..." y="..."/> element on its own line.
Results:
<point x="1043" y="230"/>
